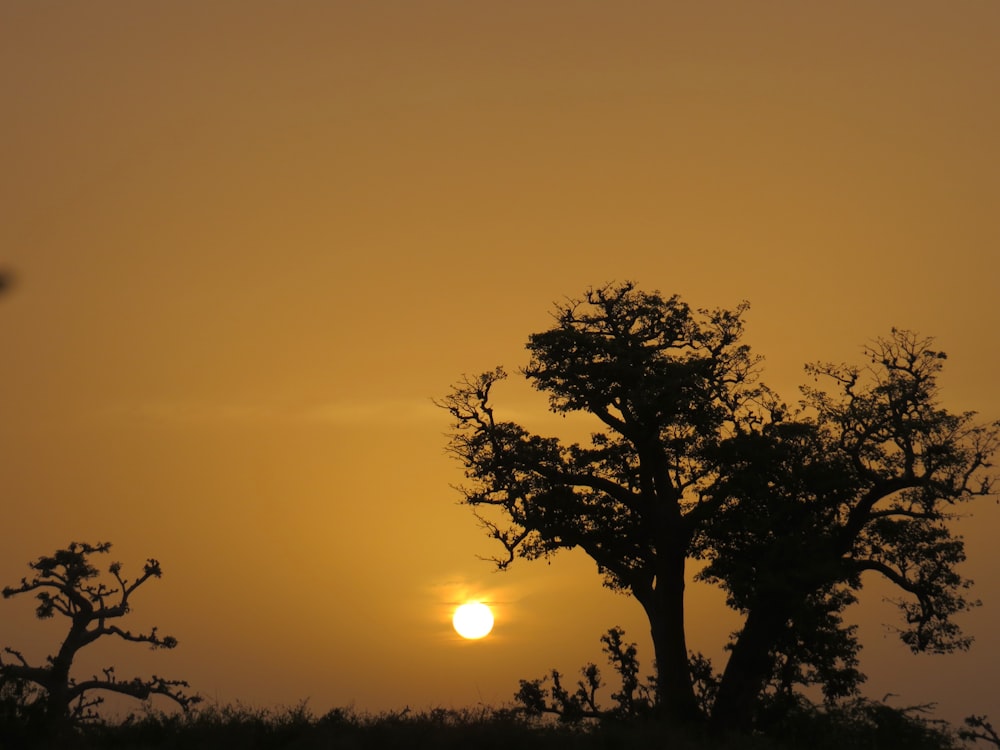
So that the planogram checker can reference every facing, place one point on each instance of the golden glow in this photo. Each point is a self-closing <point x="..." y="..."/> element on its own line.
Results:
<point x="250" y="243"/>
<point x="473" y="620"/>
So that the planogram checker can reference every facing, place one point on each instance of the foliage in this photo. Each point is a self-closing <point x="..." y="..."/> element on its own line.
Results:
<point x="863" y="479"/>
<point x="861" y="725"/>
<point x="22" y="715"/>
<point x="695" y="458"/>
<point x="667" y="385"/>
<point x="264" y="729"/>
<point x="633" y="699"/>
<point x="663" y="380"/>
<point x="68" y="584"/>
<point x="979" y="728"/>
<point x="705" y="680"/>
<point x="786" y="719"/>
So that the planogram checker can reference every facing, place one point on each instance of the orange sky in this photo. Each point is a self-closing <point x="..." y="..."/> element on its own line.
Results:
<point x="254" y="239"/>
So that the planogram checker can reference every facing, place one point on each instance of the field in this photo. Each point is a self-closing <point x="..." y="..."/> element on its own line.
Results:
<point x="863" y="726"/>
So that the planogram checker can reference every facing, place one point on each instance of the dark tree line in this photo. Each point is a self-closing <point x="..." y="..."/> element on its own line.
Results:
<point x="696" y="459"/>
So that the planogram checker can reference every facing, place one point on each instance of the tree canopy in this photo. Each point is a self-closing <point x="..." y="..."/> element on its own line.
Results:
<point x="669" y="384"/>
<point x="696" y="459"/>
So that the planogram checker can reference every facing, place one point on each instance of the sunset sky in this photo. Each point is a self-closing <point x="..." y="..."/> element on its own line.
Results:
<point x="253" y="240"/>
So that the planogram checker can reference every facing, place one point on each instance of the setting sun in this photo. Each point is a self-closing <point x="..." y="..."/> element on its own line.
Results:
<point x="473" y="620"/>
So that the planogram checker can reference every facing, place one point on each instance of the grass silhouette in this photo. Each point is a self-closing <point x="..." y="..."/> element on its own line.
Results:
<point x="862" y="725"/>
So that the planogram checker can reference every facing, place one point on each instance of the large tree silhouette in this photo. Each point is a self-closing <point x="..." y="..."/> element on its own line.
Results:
<point x="695" y="458"/>
<point x="66" y="584"/>
<point x="669" y="385"/>
<point x="865" y="480"/>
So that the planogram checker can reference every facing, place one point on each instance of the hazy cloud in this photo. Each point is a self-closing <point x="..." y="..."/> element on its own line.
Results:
<point x="345" y="412"/>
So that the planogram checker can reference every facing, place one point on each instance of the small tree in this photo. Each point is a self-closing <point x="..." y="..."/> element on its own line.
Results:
<point x="633" y="699"/>
<point x="66" y="583"/>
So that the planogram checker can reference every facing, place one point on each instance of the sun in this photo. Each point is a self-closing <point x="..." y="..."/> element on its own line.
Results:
<point x="473" y="620"/>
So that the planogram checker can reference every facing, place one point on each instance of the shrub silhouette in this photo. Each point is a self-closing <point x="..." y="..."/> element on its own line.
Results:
<point x="634" y="699"/>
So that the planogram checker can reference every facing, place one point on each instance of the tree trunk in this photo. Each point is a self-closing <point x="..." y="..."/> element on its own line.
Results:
<point x="58" y="700"/>
<point x="58" y="682"/>
<point x="665" y="609"/>
<point x="748" y="668"/>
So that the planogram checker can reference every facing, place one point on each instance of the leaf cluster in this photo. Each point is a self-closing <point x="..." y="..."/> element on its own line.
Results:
<point x="666" y="383"/>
